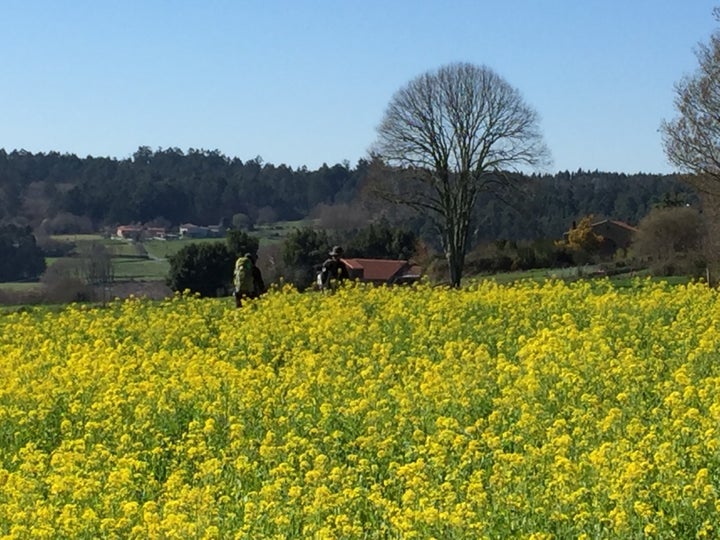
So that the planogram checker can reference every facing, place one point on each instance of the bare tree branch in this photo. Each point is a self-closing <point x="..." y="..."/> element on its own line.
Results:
<point x="692" y="140"/>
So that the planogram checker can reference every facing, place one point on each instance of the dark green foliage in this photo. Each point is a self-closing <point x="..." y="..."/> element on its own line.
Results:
<point x="20" y="257"/>
<point x="304" y="250"/>
<point x="670" y="240"/>
<point x="55" y="248"/>
<point x="242" y="221"/>
<point x="204" y="268"/>
<point x="544" y="206"/>
<point x="240" y="242"/>
<point x="381" y="241"/>
<point x="671" y="200"/>
<point x="205" y="187"/>
<point x="506" y="256"/>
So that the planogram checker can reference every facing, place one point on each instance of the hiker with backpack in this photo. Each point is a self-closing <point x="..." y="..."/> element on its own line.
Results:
<point x="247" y="279"/>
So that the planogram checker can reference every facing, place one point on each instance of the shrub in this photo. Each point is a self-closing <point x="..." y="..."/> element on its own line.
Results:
<point x="203" y="268"/>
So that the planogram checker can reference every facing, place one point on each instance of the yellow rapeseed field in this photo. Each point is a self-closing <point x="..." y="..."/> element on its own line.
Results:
<point x="527" y="411"/>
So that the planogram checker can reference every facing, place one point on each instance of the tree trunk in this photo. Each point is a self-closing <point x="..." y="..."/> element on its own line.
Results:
<point x="711" y="214"/>
<point x="456" y="239"/>
<point x="455" y="264"/>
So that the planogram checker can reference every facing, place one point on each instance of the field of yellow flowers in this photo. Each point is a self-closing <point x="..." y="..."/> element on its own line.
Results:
<point x="529" y="410"/>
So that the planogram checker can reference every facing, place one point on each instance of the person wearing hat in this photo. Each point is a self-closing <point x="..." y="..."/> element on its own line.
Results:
<point x="333" y="269"/>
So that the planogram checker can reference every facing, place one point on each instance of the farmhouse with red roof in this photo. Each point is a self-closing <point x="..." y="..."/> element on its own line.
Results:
<point x="383" y="271"/>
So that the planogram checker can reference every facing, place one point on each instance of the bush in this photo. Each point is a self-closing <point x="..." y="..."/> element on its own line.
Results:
<point x="67" y="223"/>
<point x="437" y="270"/>
<point x="240" y="242"/>
<point x="203" y="268"/>
<point x="670" y="240"/>
<point x="303" y="251"/>
<point x="66" y="289"/>
<point x="503" y="256"/>
<point x="381" y="241"/>
<point x="54" y="248"/>
<point x="20" y="256"/>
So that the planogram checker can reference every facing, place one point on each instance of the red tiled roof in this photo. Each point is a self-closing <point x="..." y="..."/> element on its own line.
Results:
<point x="383" y="269"/>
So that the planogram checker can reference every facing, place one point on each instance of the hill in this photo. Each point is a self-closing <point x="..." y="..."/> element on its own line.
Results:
<point x="62" y="193"/>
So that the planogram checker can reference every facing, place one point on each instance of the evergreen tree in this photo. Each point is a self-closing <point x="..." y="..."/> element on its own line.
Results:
<point x="204" y="268"/>
<point x="240" y="242"/>
<point x="304" y="250"/>
<point x="20" y="256"/>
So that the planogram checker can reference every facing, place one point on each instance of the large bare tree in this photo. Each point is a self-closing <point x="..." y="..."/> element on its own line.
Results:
<point x="692" y="140"/>
<point x="447" y="136"/>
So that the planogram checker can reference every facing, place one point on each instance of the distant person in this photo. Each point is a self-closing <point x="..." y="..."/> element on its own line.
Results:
<point x="247" y="279"/>
<point x="258" y="283"/>
<point x="333" y="270"/>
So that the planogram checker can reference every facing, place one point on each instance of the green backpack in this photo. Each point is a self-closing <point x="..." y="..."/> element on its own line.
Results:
<point x="243" y="278"/>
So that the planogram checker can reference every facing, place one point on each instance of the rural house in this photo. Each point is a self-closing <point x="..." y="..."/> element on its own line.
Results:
<point x="138" y="232"/>
<point x="383" y="271"/>
<point x="129" y="232"/>
<point x="189" y="230"/>
<point x="616" y="235"/>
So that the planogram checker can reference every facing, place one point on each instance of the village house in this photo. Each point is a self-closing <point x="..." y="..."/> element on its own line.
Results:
<point x="138" y="232"/>
<point x="129" y="232"/>
<point x="383" y="271"/>
<point x="616" y="235"/>
<point x="189" y="230"/>
<point x="155" y="232"/>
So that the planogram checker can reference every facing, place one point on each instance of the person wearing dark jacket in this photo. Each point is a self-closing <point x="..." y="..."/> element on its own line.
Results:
<point x="333" y="269"/>
<point x="258" y="281"/>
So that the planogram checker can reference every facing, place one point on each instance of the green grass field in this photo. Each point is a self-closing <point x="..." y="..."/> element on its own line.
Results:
<point x="575" y="273"/>
<point x="21" y="287"/>
<point x="163" y="249"/>
<point x="140" y="269"/>
<point x="78" y="237"/>
<point x="276" y="232"/>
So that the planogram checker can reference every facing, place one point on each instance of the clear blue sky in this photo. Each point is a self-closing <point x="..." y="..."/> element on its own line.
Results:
<point x="307" y="82"/>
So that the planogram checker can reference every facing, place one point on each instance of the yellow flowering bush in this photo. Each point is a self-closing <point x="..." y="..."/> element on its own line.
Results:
<point x="529" y="410"/>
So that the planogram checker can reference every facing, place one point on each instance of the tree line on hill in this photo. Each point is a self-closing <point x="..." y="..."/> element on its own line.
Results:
<point x="64" y="193"/>
<point x="172" y="186"/>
